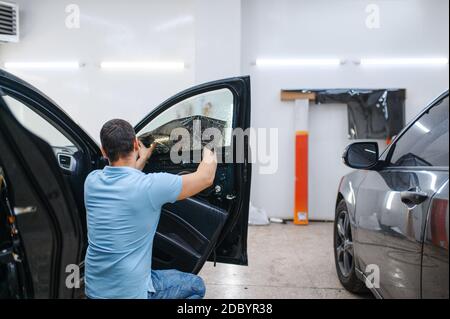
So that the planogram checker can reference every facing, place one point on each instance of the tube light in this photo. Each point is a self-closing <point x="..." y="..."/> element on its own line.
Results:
<point x="404" y="61"/>
<point x="143" y="65"/>
<point x="42" y="65"/>
<point x="297" y="62"/>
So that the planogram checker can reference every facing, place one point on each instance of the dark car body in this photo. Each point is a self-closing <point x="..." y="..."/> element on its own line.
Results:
<point x="397" y="209"/>
<point x="42" y="216"/>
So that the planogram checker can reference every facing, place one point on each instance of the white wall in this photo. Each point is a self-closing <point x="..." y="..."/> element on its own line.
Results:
<point x="218" y="38"/>
<point x="197" y="32"/>
<point x="321" y="28"/>
<point x="325" y="147"/>
<point x="205" y="34"/>
<point x="119" y="30"/>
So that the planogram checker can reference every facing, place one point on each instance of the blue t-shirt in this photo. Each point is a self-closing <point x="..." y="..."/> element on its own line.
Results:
<point x="123" y="207"/>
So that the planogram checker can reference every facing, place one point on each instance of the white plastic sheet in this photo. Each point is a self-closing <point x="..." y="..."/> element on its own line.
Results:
<point x="257" y="216"/>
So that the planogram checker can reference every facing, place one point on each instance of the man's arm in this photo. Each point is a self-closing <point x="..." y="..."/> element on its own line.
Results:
<point x="203" y="178"/>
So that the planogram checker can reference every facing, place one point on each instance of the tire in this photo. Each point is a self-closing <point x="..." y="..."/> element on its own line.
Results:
<point x="344" y="255"/>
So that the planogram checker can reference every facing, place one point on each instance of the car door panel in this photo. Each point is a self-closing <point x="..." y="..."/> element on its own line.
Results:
<point x="188" y="244"/>
<point x="46" y="214"/>
<point x="198" y="212"/>
<point x="214" y="223"/>
<point x="390" y="233"/>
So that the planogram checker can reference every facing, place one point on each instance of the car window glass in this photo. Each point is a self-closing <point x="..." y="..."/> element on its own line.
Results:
<point x="207" y="110"/>
<point x="36" y="123"/>
<point x="426" y="142"/>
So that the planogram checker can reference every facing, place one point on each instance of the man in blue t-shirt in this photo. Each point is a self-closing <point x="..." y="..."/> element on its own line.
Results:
<point x="123" y="209"/>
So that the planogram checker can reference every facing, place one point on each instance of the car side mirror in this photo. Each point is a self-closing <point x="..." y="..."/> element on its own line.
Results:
<point x="361" y="155"/>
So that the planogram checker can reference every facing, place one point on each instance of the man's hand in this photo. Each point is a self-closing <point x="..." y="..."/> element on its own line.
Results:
<point x="144" y="155"/>
<point x="209" y="157"/>
<point x="145" y="152"/>
<point x="203" y="178"/>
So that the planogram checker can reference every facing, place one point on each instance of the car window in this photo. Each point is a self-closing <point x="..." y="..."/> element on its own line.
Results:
<point x="425" y="143"/>
<point x="36" y="124"/>
<point x="212" y="109"/>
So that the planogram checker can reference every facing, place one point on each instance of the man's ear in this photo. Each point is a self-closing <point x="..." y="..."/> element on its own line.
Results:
<point x="136" y="145"/>
<point x="103" y="152"/>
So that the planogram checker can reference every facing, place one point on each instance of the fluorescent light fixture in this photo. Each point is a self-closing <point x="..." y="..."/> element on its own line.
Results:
<point x="297" y="62"/>
<point x="404" y="61"/>
<point x="42" y="65"/>
<point x="143" y="65"/>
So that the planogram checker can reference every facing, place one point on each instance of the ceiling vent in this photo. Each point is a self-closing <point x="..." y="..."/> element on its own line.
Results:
<point x="9" y="22"/>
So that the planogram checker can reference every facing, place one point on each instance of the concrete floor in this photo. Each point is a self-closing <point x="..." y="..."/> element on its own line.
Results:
<point x="285" y="261"/>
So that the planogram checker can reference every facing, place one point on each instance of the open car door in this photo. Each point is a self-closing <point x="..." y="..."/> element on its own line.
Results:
<point x="45" y="229"/>
<point x="212" y="225"/>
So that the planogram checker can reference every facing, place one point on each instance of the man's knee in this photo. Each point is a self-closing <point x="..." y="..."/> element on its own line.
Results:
<point x="198" y="286"/>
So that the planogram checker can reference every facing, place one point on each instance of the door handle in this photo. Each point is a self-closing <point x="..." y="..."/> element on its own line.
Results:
<point x="413" y="197"/>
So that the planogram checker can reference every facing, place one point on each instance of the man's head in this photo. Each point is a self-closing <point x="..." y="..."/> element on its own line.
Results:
<point x="118" y="140"/>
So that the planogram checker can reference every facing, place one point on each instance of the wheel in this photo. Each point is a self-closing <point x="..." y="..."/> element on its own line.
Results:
<point x="344" y="254"/>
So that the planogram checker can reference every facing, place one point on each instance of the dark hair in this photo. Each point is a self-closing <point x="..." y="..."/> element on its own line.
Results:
<point x="117" y="137"/>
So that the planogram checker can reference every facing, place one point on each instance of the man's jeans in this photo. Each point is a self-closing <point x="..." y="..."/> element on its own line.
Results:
<point x="174" y="284"/>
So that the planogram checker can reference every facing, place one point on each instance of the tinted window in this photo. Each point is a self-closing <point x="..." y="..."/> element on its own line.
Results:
<point x="204" y="111"/>
<point x="425" y="143"/>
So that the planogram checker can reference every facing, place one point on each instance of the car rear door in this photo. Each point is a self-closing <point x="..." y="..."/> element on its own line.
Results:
<point x="46" y="229"/>
<point x="214" y="223"/>
<point x="435" y="265"/>
<point x="393" y="202"/>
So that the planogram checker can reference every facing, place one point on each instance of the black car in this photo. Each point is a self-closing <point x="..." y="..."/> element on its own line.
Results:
<point x="44" y="160"/>
<point x="391" y="229"/>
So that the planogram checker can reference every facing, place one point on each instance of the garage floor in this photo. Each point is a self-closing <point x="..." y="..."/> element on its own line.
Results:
<point x="285" y="261"/>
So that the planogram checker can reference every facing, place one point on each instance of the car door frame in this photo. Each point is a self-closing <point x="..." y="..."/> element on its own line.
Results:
<point x="240" y="88"/>
<point x="55" y="200"/>
<point x="48" y="110"/>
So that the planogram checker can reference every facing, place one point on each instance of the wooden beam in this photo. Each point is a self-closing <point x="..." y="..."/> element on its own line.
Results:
<point x="297" y="95"/>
